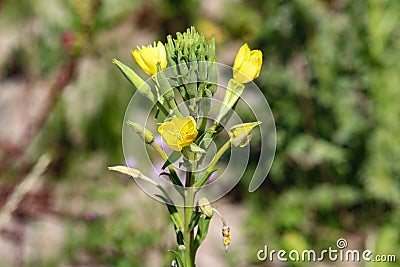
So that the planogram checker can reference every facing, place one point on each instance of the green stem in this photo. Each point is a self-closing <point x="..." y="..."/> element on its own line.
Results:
<point x="219" y="154"/>
<point x="188" y="235"/>
<point x="203" y="125"/>
<point x="162" y="108"/>
<point x="210" y="168"/>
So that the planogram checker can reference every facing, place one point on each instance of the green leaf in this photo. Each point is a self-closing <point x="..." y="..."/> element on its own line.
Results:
<point x="196" y="149"/>
<point x="172" y="158"/>
<point x="204" y="223"/>
<point x="173" y="177"/>
<point x="194" y="219"/>
<point x="173" y="212"/>
<point x="179" y="237"/>
<point x="178" y="256"/>
<point x="204" y="179"/>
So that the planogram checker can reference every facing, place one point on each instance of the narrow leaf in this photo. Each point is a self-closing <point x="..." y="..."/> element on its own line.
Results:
<point x="178" y="257"/>
<point x="204" y="179"/>
<point x="204" y="223"/>
<point x="172" y="158"/>
<point x="138" y="82"/>
<point x="173" y="178"/>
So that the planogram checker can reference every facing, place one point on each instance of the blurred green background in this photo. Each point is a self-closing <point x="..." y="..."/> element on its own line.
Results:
<point x="331" y="75"/>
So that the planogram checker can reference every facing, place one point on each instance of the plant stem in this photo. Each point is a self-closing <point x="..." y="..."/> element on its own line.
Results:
<point x="162" y="108"/>
<point x="188" y="211"/>
<point x="188" y="234"/>
<point x="219" y="154"/>
<point x="210" y="168"/>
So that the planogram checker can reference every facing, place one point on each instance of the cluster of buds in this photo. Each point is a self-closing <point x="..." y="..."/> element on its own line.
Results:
<point x="192" y="58"/>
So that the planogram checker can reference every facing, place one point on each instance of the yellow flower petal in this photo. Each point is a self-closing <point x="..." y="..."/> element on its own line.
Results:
<point x="247" y="64"/>
<point x="148" y="58"/>
<point x="241" y="56"/>
<point x="256" y="59"/>
<point x="162" y="54"/>
<point x="139" y="60"/>
<point x="179" y="132"/>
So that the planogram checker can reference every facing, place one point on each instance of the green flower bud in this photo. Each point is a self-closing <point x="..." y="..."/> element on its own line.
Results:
<point x="212" y="72"/>
<point x="205" y="207"/>
<point x="134" y="79"/>
<point x="165" y="87"/>
<point x="193" y="60"/>
<point x="202" y="63"/>
<point x="241" y="134"/>
<point x="183" y="68"/>
<point x="191" y="83"/>
<point x="211" y="49"/>
<point x="145" y="134"/>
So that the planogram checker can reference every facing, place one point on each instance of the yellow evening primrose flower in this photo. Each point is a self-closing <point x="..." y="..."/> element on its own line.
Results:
<point x="178" y="132"/>
<point x="148" y="56"/>
<point x="247" y="64"/>
<point x="241" y="134"/>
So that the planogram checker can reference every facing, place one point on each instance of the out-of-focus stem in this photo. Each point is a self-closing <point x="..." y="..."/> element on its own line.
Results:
<point x="24" y="187"/>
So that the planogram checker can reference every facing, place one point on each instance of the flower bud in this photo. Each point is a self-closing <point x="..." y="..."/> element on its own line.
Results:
<point x="205" y="207"/>
<point x="165" y="88"/>
<point x="149" y="56"/>
<point x="212" y="75"/>
<point x="211" y="49"/>
<point x="247" y="64"/>
<point x="145" y="134"/>
<point x="241" y="134"/>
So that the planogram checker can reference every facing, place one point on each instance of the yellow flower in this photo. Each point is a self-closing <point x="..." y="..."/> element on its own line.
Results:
<point x="247" y="64"/>
<point x="148" y="57"/>
<point x="241" y="134"/>
<point x="178" y="132"/>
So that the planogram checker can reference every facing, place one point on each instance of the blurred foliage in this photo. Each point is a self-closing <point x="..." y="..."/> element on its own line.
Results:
<point x="331" y="76"/>
<point x="120" y="241"/>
